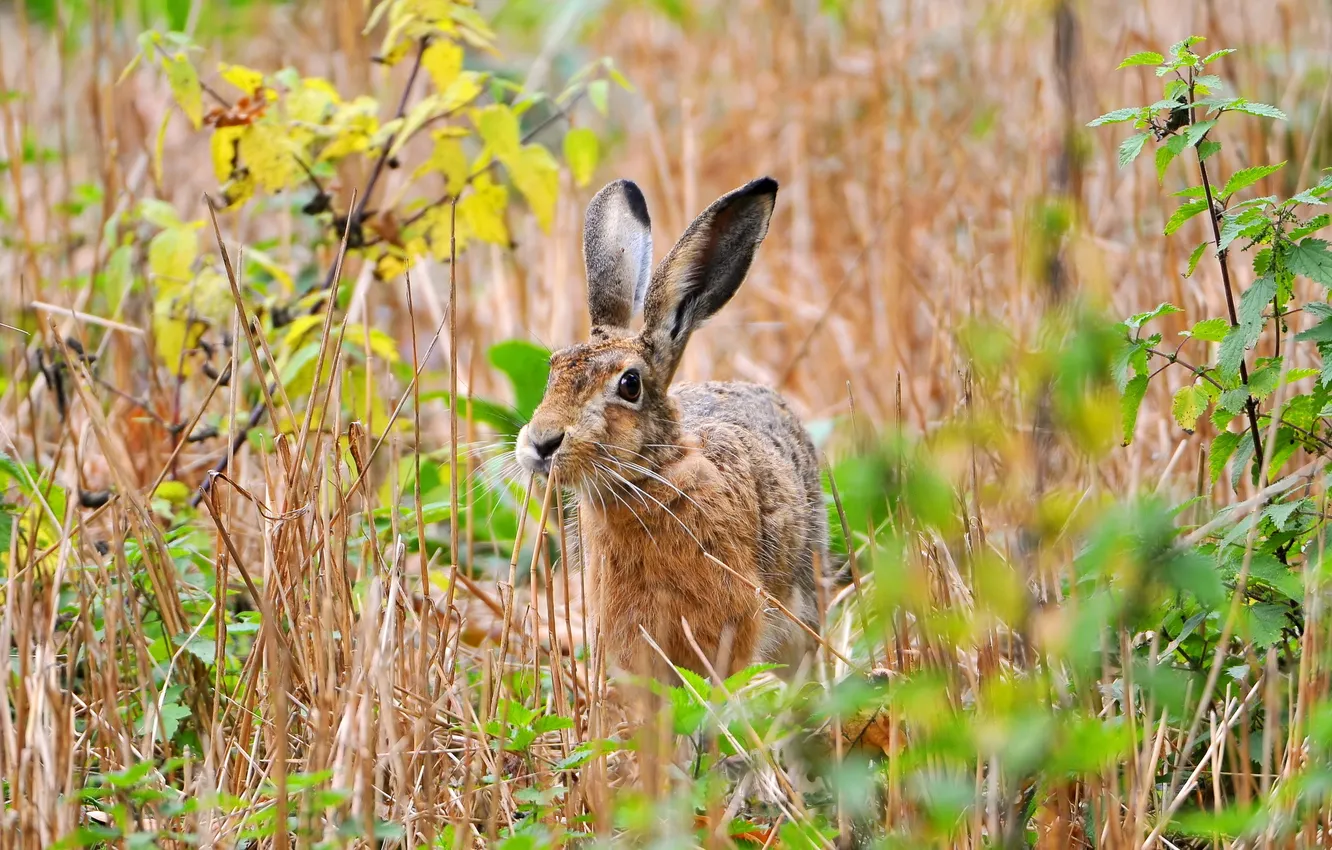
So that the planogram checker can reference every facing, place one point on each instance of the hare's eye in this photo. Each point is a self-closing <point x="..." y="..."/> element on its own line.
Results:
<point x="631" y="386"/>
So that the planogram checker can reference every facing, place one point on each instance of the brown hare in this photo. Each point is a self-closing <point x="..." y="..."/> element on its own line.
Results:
<point x="667" y="476"/>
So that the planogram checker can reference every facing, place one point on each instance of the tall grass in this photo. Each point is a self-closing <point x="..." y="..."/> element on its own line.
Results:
<point x="363" y="632"/>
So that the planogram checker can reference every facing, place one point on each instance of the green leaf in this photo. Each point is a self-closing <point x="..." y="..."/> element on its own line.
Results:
<point x="1240" y="461"/>
<point x="1210" y="330"/>
<point x="1256" y="298"/>
<point x="581" y="149"/>
<point x="1186" y="211"/>
<point x="1196" y="131"/>
<point x="1189" y="403"/>
<point x="1131" y="147"/>
<point x="1208" y="148"/>
<point x="528" y="367"/>
<point x="1262" y="110"/>
<point x="551" y="723"/>
<point x="1266" y="622"/>
<point x="1129" y="404"/>
<point x="1311" y="259"/>
<point x="1118" y="116"/>
<point x="1321" y="332"/>
<point x="1146" y="57"/>
<point x="1222" y="448"/>
<point x="1165" y="308"/>
<point x="1195" y="257"/>
<point x="1246" y="177"/>
<point x="1211" y="57"/>
<point x="598" y="91"/>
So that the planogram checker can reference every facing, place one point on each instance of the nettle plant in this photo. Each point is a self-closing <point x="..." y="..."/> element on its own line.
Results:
<point x="466" y="135"/>
<point x="1259" y="386"/>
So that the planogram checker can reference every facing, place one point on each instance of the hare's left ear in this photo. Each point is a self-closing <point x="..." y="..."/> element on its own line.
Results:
<point x="705" y="268"/>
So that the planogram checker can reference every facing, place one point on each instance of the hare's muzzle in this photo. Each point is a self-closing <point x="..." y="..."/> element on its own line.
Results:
<point x="536" y="449"/>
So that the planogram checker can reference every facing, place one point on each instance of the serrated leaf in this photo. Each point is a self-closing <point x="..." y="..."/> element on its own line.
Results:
<point x="1311" y="259"/>
<point x="1256" y="298"/>
<point x="1189" y="403"/>
<point x="1233" y="400"/>
<point x="1313" y="225"/>
<point x="1222" y="448"/>
<point x="1210" y="330"/>
<point x="185" y="87"/>
<point x="1146" y="57"/>
<point x="1246" y="177"/>
<point x="1262" y="110"/>
<point x="1208" y="148"/>
<point x="1211" y="57"/>
<point x="1117" y="116"/>
<point x="1131" y="147"/>
<point x="1186" y="211"/>
<point x="1196" y="131"/>
<point x="1321" y="332"/>
<point x="1129" y="404"/>
<point x="1195" y="257"/>
<point x="1243" y="455"/>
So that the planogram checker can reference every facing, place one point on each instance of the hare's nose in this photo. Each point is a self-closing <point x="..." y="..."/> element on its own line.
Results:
<point x="546" y="446"/>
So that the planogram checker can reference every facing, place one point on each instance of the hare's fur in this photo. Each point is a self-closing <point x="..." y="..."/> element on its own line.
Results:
<point x="671" y="479"/>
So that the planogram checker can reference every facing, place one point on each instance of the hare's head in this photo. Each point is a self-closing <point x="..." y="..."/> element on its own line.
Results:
<point x="607" y="399"/>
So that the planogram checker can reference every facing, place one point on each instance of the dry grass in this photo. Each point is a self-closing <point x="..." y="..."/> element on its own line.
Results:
<point x="915" y="145"/>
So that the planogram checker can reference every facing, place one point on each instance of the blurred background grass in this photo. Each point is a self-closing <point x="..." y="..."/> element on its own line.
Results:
<point x="940" y="196"/>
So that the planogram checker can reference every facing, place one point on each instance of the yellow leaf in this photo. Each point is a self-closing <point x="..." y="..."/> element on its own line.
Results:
<point x="498" y="127"/>
<point x="580" y="151"/>
<point x="436" y="224"/>
<point x="182" y="313"/>
<point x="481" y="213"/>
<point x="537" y="176"/>
<point x="391" y="265"/>
<point x="238" y="189"/>
<point x="352" y="125"/>
<point x="172" y="252"/>
<point x="422" y="112"/>
<point x="268" y="153"/>
<point x="443" y="61"/>
<point x="447" y="159"/>
<point x="247" y="80"/>
<point x="223" y="145"/>
<point x="313" y="102"/>
<point x="296" y="331"/>
<point x="461" y="91"/>
<point x="184" y="82"/>
<point x="175" y="492"/>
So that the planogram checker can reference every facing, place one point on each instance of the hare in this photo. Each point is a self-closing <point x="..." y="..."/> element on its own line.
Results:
<point x="672" y="481"/>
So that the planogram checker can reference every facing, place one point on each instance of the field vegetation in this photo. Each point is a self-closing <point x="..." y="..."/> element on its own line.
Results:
<point x="1048" y="282"/>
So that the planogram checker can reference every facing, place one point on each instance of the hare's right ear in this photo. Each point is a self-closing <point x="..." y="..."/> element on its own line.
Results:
<point x="617" y="251"/>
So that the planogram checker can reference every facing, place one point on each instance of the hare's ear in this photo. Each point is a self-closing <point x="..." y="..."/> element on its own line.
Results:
<point x="617" y="251"/>
<point x="705" y="268"/>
